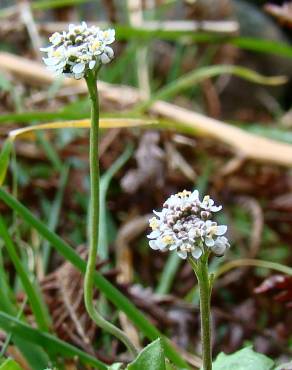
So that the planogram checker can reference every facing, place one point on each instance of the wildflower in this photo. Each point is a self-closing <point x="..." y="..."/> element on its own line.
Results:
<point x="79" y="50"/>
<point x="186" y="224"/>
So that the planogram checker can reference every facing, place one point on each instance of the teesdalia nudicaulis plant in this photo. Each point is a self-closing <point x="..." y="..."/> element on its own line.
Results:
<point x="79" y="53"/>
<point x="186" y="224"/>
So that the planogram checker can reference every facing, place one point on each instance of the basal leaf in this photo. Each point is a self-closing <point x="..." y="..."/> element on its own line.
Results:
<point x="152" y="357"/>
<point x="10" y="364"/>
<point x="245" y="359"/>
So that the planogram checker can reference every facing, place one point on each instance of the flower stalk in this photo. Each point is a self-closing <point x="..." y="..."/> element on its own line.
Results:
<point x="200" y="268"/>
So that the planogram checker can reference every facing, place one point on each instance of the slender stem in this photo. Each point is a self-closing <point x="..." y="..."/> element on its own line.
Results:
<point x="94" y="221"/>
<point x="201" y="270"/>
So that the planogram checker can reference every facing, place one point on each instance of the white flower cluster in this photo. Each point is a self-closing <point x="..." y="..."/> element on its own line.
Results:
<point x="185" y="225"/>
<point x="78" y="50"/>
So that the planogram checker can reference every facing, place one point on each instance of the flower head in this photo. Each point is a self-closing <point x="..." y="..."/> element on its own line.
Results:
<point x="78" y="50"/>
<point x="185" y="224"/>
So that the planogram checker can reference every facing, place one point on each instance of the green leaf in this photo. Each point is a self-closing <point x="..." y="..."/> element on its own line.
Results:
<point x="152" y="357"/>
<point x="4" y="159"/>
<point x="10" y="364"/>
<point x="245" y="359"/>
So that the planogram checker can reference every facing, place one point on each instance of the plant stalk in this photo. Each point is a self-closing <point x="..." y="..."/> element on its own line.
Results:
<point x="200" y="268"/>
<point x="94" y="221"/>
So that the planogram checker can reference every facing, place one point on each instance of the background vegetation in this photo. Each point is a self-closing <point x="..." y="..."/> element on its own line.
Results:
<point x="198" y="96"/>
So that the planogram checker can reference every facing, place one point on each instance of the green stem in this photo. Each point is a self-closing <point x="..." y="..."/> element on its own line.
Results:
<point x="200" y="268"/>
<point x="94" y="221"/>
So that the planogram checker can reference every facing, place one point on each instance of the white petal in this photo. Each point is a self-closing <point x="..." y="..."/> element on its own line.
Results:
<point x="172" y="247"/>
<point x="197" y="252"/>
<point x="56" y="38"/>
<point x="182" y="254"/>
<point x="215" y="208"/>
<point x="109" y="52"/>
<point x="153" y="245"/>
<point x="211" y="202"/>
<point x="104" y="58"/>
<point x="194" y="195"/>
<point x="71" y="27"/>
<point x="92" y="64"/>
<point x="221" y="229"/>
<point x="222" y="239"/>
<point x="209" y="242"/>
<point x="84" y="25"/>
<point x="110" y="36"/>
<point x="78" y="68"/>
<point x="59" y="66"/>
<point x="154" y="234"/>
<point x="218" y="249"/>
<point x="48" y="48"/>
<point x="161" y="245"/>
<point x="78" y="76"/>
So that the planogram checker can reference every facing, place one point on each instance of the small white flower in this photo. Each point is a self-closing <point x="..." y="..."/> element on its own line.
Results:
<point x="208" y="204"/>
<point x="81" y="49"/>
<point x="108" y="36"/>
<point x="211" y="230"/>
<point x="220" y="246"/>
<point x="107" y="55"/>
<point x="56" y="38"/>
<point x="185" y="224"/>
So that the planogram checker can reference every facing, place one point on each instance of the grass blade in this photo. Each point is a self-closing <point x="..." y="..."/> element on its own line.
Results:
<point x="54" y="214"/>
<point x="112" y="294"/>
<point x="198" y="75"/>
<point x="26" y="117"/>
<point x="168" y="274"/>
<point x="49" y="150"/>
<point x="253" y="262"/>
<point x="258" y="45"/>
<point x="85" y="123"/>
<point x="34" y="295"/>
<point x="47" y="341"/>
<point x="54" y="4"/>
<point x="104" y="185"/>
<point x="4" y="159"/>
